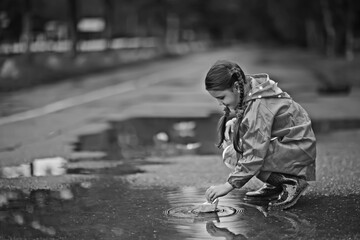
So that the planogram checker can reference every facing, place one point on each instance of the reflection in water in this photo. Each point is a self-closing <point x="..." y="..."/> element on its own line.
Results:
<point x="138" y="138"/>
<point x="215" y="231"/>
<point x="274" y="226"/>
<point x="38" y="167"/>
<point x="40" y="213"/>
<point x="47" y="214"/>
<point x="59" y="166"/>
<point x="105" y="209"/>
<point x="21" y="211"/>
<point x="249" y="221"/>
<point x="110" y="209"/>
<point x="190" y="213"/>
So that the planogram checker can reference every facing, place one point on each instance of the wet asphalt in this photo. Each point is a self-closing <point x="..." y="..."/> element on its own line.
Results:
<point x="132" y="200"/>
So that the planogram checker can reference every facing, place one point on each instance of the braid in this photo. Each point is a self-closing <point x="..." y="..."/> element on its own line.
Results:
<point x="221" y="126"/>
<point x="239" y="110"/>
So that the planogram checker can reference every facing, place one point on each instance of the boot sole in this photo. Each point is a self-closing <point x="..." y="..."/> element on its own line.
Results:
<point x="261" y="199"/>
<point x="292" y="203"/>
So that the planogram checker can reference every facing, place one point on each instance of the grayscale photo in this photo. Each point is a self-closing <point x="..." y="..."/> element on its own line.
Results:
<point x="179" y="120"/>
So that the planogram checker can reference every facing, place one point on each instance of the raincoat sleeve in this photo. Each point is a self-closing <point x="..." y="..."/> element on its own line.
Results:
<point x="256" y="134"/>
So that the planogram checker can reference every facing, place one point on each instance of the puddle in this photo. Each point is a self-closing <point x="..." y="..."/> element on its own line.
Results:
<point x="139" y="138"/>
<point x="185" y="201"/>
<point x="57" y="166"/>
<point x="235" y="220"/>
<point x="110" y="209"/>
<point x="105" y="209"/>
<point x="189" y="212"/>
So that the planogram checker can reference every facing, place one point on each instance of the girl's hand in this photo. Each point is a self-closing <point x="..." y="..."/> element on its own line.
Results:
<point x="214" y="192"/>
<point x="229" y="129"/>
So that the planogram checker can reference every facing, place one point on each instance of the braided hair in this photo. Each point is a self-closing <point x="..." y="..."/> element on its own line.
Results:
<point x="226" y="75"/>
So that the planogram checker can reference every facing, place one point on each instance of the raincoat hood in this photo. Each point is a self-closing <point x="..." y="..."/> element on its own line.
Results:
<point x="263" y="87"/>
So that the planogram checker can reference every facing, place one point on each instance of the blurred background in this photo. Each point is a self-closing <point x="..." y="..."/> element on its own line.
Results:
<point x="50" y="40"/>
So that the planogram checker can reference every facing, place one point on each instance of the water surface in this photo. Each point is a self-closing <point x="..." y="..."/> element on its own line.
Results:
<point x="109" y="208"/>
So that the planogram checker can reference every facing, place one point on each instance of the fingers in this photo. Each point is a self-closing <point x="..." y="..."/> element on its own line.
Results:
<point x="207" y="194"/>
<point x="210" y="194"/>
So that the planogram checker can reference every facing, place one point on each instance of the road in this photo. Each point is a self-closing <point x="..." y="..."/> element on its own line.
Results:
<point x="53" y="118"/>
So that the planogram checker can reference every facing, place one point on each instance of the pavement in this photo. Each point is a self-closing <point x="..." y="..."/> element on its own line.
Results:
<point x="46" y="121"/>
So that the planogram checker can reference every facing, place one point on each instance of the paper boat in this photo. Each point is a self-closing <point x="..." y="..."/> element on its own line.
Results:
<point x="207" y="207"/>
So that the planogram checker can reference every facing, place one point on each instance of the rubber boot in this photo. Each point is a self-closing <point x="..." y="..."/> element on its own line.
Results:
<point x="292" y="189"/>
<point x="266" y="192"/>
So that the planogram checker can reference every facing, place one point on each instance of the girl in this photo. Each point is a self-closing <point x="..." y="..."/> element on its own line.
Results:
<point x="272" y="136"/>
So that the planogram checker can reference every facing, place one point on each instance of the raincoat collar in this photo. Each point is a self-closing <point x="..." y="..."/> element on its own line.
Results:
<point x="263" y="87"/>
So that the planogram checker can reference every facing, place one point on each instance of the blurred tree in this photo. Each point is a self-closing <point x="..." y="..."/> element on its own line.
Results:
<point x="27" y="33"/>
<point x="73" y="20"/>
<point x="329" y="26"/>
<point x="349" y="32"/>
<point x="11" y="20"/>
<point x="220" y="18"/>
<point x="339" y="26"/>
<point x="330" y="34"/>
<point x="109" y="21"/>
<point x="288" y="20"/>
<point x="153" y="12"/>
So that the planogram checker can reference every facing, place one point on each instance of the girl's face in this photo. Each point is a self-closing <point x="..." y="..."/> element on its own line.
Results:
<point x="228" y="97"/>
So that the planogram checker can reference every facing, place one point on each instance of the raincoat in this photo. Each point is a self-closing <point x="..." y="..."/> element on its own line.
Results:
<point x="276" y="135"/>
